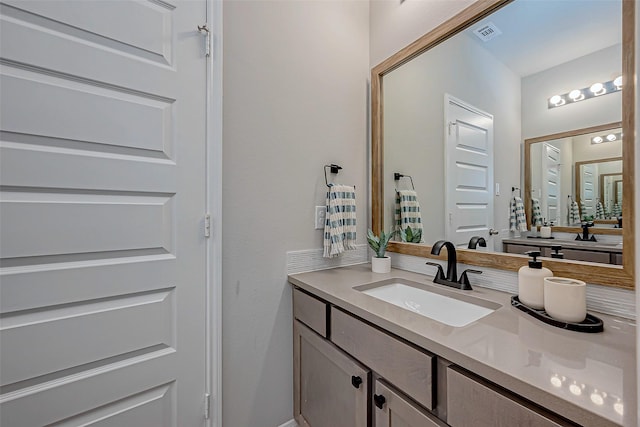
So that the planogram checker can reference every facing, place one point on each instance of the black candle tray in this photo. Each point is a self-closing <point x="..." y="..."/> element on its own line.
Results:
<point x="591" y="324"/>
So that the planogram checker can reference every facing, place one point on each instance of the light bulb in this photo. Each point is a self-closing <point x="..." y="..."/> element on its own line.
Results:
<point x="618" y="407"/>
<point x="576" y="95"/>
<point x="575" y="389"/>
<point x="618" y="82"/>
<point x="556" y="100"/>
<point x="597" y="398"/>
<point x="597" y="140"/>
<point x="597" y="89"/>
<point x="555" y="381"/>
<point x="611" y="137"/>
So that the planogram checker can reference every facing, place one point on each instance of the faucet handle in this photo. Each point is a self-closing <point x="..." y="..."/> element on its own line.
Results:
<point x="440" y="272"/>
<point x="464" y="279"/>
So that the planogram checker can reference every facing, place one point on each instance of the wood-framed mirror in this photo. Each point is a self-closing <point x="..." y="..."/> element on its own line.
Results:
<point x="382" y="172"/>
<point x="581" y="181"/>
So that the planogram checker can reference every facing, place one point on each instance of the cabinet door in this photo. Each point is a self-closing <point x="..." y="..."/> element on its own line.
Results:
<point x="392" y="410"/>
<point x="330" y="388"/>
<point x="472" y="402"/>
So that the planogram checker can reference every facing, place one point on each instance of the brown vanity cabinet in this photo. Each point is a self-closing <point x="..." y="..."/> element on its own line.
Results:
<point x="330" y="388"/>
<point x="473" y="402"/>
<point x="391" y="409"/>
<point x="337" y="356"/>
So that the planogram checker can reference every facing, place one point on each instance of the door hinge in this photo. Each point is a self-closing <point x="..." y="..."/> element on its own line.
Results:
<point x="204" y="30"/>
<point x="452" y="124"/>
<point x="207" y="406"/>
<point x="207" y="225"/>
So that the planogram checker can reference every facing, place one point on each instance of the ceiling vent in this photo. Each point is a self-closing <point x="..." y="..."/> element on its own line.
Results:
<point x="487" y="31"/>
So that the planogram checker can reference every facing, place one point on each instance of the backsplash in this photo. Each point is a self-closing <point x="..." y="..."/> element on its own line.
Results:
<point x="603" y="299"/>
<point x="312" y="259"/>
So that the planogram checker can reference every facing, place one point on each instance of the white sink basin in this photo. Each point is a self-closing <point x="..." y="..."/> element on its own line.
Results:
<point x="448" y="310"/>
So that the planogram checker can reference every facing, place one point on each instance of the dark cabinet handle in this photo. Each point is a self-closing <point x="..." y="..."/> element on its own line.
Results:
<point x="379" y="400"/>
<point x="356" y="381"/>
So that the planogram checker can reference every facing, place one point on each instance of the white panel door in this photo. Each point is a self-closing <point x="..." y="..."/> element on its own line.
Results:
<point x="551" y="199"/>
<point x="102" y="173"/>
<point x="468" y="172"/>
<point x="587" y="189"/>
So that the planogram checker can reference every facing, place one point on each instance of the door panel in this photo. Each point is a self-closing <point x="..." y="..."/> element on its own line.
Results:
<point x="102" y="277"/>
<point x="551" y="200"/>
<point x="469" y="172"/>
<point x="399" y="412"/>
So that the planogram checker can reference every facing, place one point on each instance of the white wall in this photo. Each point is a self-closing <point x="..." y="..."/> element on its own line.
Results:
<point x="538" y="120"/>
<point x="295" y="98"/>
<point x="414" y="124"/>
<point x="394" y="24"/>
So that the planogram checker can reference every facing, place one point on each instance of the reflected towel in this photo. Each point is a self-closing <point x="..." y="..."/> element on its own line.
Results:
<point x="574" y="213"/>
<point x="408" y="211"/>
<point x="617" y="210"/>
<point x="340" y="225"/>
<point x="599" y="210"/>
<point x="536" y="212"/>
<point x="583" y="210"/>
<point x="518" y="218"/>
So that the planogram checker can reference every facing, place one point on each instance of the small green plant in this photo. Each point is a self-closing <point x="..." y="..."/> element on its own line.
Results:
<point x="410" y="235"/>
<point x="378" y="244"/>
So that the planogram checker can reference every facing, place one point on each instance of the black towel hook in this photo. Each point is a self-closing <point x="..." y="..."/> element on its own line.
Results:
<point x="397" y="176"/>
<point x="334" y="169"/>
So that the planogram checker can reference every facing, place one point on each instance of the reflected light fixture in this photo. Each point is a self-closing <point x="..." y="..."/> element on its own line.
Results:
<point x="575" y="389"/>
<point x="610" y="137"/>
<point x="598" y="398"/>
<point x="577" y="95"/>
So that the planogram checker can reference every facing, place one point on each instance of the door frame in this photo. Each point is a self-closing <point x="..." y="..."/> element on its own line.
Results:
<point x="213" y="205"/>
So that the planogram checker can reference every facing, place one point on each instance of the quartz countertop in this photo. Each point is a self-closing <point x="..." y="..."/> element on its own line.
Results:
<point x="567" y="244"/>
<point x="589" y="378"/>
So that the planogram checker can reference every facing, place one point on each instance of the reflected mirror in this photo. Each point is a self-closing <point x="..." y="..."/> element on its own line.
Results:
<point x="572" y="177"/>
<point x="452" y="112"/>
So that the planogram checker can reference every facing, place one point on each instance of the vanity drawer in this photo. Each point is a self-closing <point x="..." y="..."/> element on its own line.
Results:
<point x="310" y="311"/>
<point x="476" y="403"/>
<point x="591" y="256"/>
<point x="406" y="367"/>
<point x="512" y="248"/>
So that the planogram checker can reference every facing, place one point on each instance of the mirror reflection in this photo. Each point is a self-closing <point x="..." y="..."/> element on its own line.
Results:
<point x="455" y="118"/>
<point x="573" y="179"/>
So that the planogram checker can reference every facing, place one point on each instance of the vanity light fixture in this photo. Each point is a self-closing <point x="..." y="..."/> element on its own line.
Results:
<point x="610" y="137"/>
<point x="576" y="95"/>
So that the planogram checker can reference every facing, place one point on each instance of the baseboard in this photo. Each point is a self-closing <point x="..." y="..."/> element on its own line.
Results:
<point x="290" y="423"/>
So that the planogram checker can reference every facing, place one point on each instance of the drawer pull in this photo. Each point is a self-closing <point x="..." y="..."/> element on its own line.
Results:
<point x="379" y="400"/>
<point x="356" y="381"/>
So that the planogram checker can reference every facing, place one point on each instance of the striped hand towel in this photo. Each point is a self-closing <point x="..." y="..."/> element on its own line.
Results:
<point x="340" y="225"/>
<point x="518" y="218"/>
<point x="536" y="212"/>
<point x="583" y="210"/>
<point x="574" y="213"/>
<point x="599" y="210"/>
<point x="408" y="211"/>
<point x="617" y="210"/>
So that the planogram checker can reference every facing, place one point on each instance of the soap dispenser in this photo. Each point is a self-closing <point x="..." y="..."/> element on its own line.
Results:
<point x="545" y="230"/>
<point x="531" y="282"/>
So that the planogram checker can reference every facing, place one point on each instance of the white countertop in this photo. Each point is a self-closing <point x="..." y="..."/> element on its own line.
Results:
<point x="568" y="372"/>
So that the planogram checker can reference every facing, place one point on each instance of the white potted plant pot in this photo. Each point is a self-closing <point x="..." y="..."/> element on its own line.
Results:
<point x="381" y="265"/>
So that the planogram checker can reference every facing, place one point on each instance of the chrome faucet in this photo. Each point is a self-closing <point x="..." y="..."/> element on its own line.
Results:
<point x="451" y="279"/>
